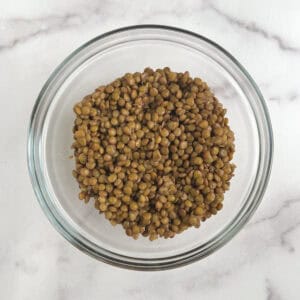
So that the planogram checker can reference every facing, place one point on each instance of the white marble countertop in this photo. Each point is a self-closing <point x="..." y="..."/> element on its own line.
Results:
<point x="262" y="262"/>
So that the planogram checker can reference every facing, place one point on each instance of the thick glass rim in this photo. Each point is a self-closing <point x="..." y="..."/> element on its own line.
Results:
<point x="79" y="241"/>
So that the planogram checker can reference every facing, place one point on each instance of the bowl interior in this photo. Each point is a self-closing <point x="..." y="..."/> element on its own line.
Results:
<point x="101" y="66"/>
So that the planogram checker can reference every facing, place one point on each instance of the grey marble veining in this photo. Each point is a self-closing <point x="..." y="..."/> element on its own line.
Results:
<point x="262" y="262"/>
<point x="254" y="28"/>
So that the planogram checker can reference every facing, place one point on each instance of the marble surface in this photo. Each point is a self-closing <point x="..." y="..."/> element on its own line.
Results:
<point x="262" y="262"/>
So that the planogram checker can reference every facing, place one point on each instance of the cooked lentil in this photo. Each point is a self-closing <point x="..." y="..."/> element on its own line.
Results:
<point x="153" y="149"/>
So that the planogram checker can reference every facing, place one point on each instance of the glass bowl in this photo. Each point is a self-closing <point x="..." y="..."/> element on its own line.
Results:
<point x="98" y="62"/>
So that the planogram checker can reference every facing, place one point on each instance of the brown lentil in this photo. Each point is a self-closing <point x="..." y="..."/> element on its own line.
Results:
<point x="153" y="149"/>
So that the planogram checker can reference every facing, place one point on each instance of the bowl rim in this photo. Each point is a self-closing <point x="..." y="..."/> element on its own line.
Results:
<point x="139" y="263"/>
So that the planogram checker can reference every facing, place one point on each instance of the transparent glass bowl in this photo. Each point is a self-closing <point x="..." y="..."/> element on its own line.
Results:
<point x="100" y="61"/>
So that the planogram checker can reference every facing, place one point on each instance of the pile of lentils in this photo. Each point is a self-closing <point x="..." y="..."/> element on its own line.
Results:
<point x="153" y="149"/>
